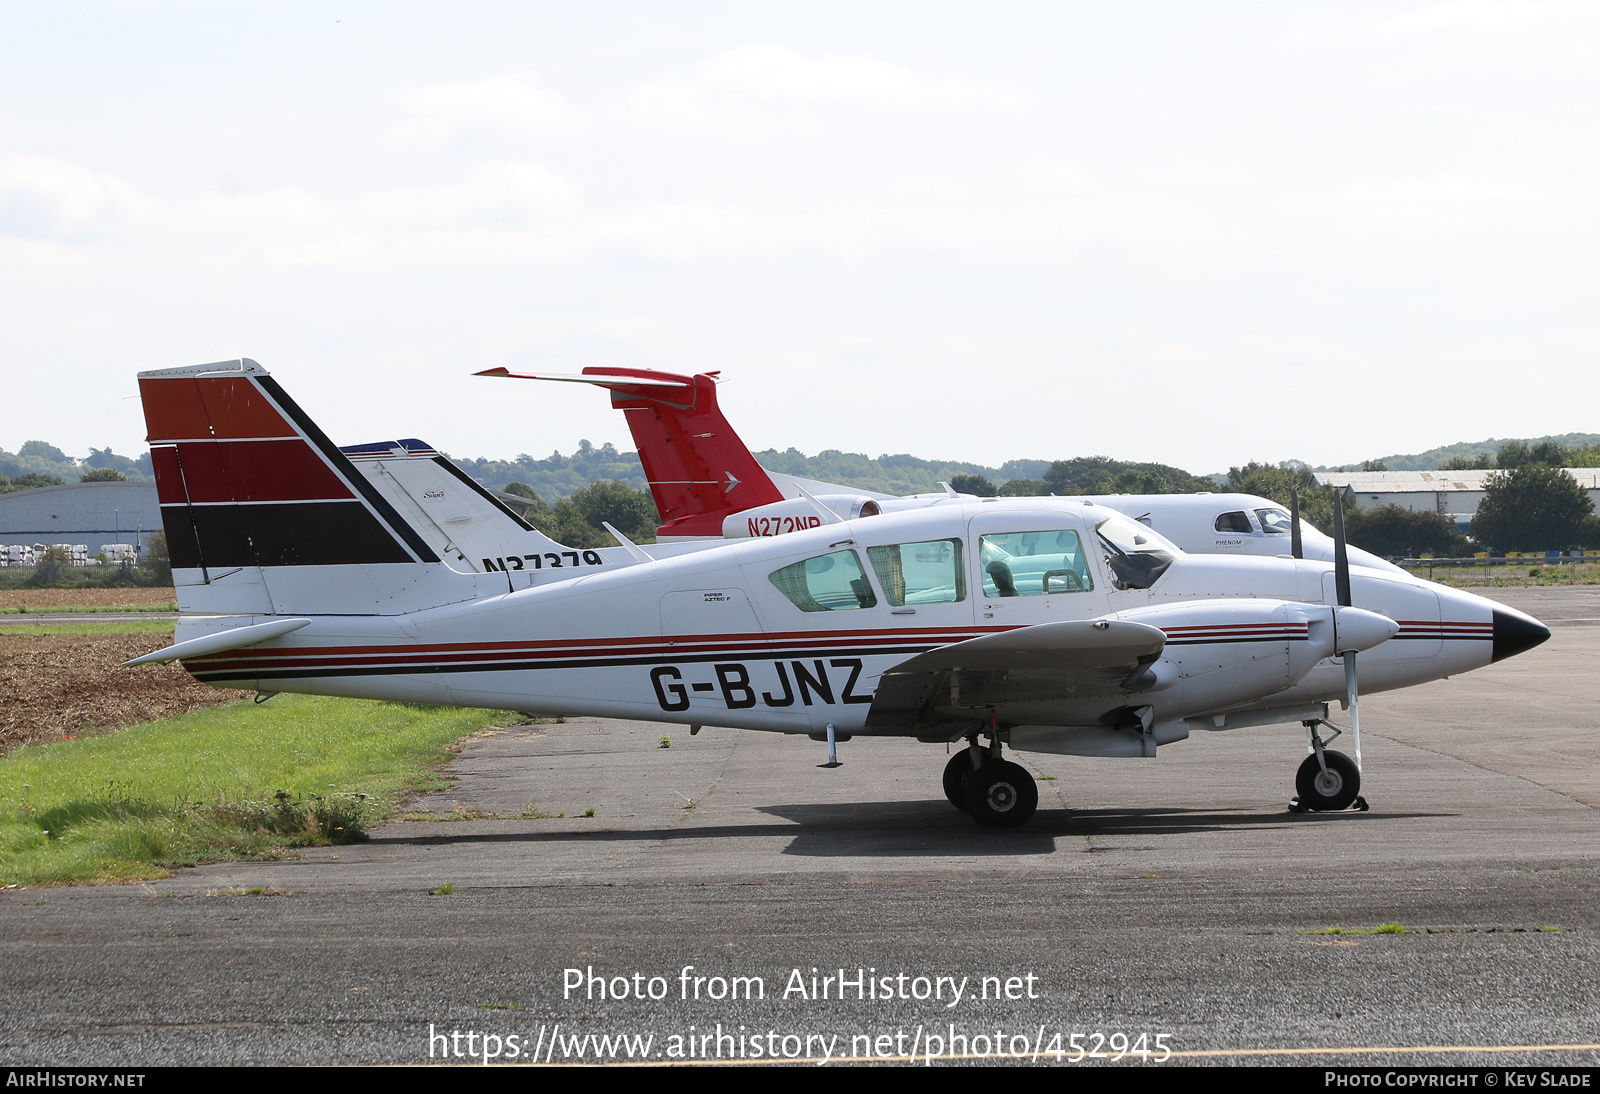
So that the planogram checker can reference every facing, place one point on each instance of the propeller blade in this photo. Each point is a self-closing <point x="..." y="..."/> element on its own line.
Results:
<point x="1341" y="555"/>
<point x="1341" y="580"/>
<point x="1295" y="547"/>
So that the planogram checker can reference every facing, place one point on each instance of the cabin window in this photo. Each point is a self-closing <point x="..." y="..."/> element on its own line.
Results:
<point x="1033" y="564"/>
<point x="827" y="583"/>
<point x="1236" y="523"/>
<point x="1274" y="522"/>
<point x="920" y="573"/>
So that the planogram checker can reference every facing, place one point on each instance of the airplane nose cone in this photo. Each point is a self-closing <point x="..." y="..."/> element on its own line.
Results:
<point x="1515" y="632"/>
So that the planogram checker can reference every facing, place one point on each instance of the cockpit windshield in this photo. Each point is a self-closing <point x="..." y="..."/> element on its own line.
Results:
<point x="1138" y="555"/>
<point x="1274" y="522"/>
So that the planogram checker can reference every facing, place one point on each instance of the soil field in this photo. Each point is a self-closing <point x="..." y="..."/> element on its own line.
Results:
<point x="87" y="598"/>
<point x="66" y="685"/>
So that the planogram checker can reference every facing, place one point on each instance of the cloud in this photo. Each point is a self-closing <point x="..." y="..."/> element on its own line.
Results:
<point x="1492" y="17"/>
<point x="1447" y="199"/>
<point x="45" y="197"/>
<point x="500" y="104"/>
<point x="762" y="90"/>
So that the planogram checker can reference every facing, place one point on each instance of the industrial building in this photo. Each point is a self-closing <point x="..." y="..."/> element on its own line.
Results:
<point x="1457" y="494"/>
<point x="90" y="513"/>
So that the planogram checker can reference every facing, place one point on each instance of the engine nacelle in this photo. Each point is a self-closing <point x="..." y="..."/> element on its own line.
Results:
<point x="795" y="515"/>
<point x="1223" y="652"/>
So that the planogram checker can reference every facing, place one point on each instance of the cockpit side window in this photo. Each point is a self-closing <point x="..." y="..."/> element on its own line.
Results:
<point x="827" y="583"/>
<point x="1236" y="523"/>
<point x="920" y="573"/>
<point x="1033" y="564"/>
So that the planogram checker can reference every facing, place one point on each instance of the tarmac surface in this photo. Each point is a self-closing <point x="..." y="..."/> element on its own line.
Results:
<point x="1174" y="898"/>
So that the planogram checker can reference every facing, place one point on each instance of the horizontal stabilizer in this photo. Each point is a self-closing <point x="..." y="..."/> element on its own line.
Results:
<point x="231" y="639"/>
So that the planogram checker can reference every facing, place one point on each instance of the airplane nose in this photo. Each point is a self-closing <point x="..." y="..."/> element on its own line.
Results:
<point x="1515" y="632"/>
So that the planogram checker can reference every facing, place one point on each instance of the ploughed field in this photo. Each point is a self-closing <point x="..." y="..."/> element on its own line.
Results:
<point x="55" y="685"/>
<point x="86" y="599"/>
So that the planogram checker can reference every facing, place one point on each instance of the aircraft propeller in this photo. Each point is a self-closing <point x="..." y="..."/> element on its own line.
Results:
<point x="1295" y="548"/>
<point x="1341" y="579"/>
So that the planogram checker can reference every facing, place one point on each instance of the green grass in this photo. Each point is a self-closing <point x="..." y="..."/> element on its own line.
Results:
<point x="237" y="781"/>
<point x="90" y="610"/>
<point x="1382" y="928"/>
<point x="138" y="626"/>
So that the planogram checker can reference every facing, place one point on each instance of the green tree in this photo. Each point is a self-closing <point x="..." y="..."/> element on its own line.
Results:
<point x="1513" y="454"/>
<point x="1550" y="453"/>
<point x="43" y="450"/>
<point x="575" y="521"/>
<point x="157" y="561"/>
<point x="1103" y="475"/>
<point x="102" y="474"/>
<point x="1396" y="532"/>
<point x="535" y="509"/>
<point x="1585" y="457"/>
<point x="1532" y="508"/>
<point x="1467" y="463"/>
<point x="972" y="484"/>
<point x="1023" y="488"/>
<point x="31" y="481"/>
<point x="1269" y="481"/>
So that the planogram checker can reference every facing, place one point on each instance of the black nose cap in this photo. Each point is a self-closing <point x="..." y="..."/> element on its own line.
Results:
<point x="1515" y="632"/>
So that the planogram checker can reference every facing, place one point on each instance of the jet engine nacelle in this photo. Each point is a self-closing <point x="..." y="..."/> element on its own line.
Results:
<point x="796" y="515"/>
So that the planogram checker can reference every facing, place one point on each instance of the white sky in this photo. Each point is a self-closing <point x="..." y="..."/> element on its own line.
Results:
<point x="1199" y="234"/>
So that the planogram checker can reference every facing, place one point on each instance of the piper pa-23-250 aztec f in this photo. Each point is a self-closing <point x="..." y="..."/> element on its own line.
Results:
<point x="1045" y="624"/>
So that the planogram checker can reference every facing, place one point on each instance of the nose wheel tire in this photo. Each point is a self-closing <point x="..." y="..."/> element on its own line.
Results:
<point x="955" y="778"/>
<point x="1001" y="794"/>
<point x="1327" y="791"/>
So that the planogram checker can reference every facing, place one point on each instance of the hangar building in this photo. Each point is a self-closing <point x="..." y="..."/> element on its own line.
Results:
<point x="91" y="513"/>
<point x="1456" y="494"/>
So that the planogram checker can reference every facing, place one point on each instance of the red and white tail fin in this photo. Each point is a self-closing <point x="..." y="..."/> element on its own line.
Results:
<point x="699" y="470"/>
<point x="247" y="481"/>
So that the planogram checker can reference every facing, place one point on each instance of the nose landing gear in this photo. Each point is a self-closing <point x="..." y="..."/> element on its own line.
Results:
<point x="1327" y="781"/>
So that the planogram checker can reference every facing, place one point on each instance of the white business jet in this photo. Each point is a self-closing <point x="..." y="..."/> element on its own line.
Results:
<point x="708" y="485"/>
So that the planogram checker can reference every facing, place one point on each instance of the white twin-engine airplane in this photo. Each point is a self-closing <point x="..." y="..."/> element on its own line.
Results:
<point x="1050" y="625"/>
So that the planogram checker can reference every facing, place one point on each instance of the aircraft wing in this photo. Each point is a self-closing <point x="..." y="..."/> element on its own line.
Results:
<point x="1077" y="668"/>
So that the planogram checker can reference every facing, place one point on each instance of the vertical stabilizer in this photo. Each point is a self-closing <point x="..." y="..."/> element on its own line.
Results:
<point x="250" y="487"/>
<point x="698" y="469"/>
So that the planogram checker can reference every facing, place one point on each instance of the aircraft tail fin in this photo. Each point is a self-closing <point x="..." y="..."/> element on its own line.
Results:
<point x="698" y="469"/>
<point x="248" y="483"/>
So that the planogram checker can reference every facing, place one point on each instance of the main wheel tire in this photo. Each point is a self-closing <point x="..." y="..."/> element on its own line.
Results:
<point x="955" y="778"/>
<point x="1331" y="790"/>
<point x="1001" y="794"/>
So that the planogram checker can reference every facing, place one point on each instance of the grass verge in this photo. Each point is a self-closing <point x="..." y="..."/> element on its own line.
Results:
<point x="96" y="609"/>
<point x="230" y="782"/>
<point x="137" y="626"/>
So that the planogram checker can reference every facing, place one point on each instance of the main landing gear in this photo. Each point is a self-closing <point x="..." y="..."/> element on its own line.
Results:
<point x="996" y="792"/>
<point x="1327" y="781"/>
